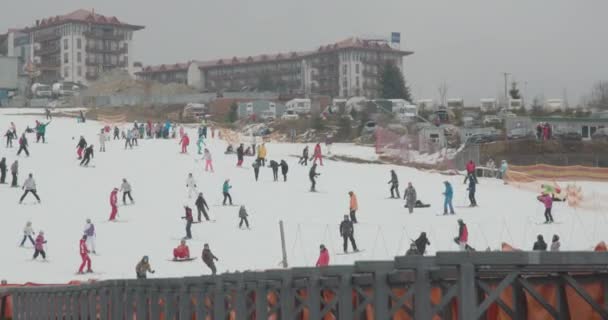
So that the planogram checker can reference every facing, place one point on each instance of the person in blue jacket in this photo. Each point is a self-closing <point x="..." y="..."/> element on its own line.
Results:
<point x="226" y="192"/>
<point x="448" y="194"/>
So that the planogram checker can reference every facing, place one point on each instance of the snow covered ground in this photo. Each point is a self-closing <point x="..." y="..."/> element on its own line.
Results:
<point x="71" y="194"/>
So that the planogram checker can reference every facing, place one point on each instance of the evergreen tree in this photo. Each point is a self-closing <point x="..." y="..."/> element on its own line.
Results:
<point x="514" y="92"/>
<point x="392" y="84"/>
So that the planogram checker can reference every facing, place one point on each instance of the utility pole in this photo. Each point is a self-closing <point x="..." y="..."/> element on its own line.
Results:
<point x="284" y="261"/>
<point x="506" y="75"/>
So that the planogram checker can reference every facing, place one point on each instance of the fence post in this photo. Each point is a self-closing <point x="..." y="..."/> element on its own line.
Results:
<point x="468" y="297"/>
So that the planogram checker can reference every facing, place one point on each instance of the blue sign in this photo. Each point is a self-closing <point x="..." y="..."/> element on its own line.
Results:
<point x="396" y="37"/>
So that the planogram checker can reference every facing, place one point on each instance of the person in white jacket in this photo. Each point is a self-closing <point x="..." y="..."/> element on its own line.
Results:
<point x="125" y="188"/>
<point x="29" y="186"/>
<point x="191" y="185"/>
<point x="102" y="140"/>
<point x="28" y="232"/>
<point x="89" y="231"/>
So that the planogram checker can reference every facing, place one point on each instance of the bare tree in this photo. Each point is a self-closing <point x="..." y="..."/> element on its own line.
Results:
<point x="443" y="94"/>
<point x="599" y="95"/>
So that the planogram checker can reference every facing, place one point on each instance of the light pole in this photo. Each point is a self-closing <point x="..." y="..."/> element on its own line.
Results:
<point x="506" y="75"/>
<point x="524" y="97"/>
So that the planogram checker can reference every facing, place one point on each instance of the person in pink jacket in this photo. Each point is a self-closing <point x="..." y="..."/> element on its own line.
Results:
<point x="317" y="155"/>
<point x="323" y="259"/>
<point x="185" y="141"/>
<point x="113" y="202"/>
<point x="547" y="200"/>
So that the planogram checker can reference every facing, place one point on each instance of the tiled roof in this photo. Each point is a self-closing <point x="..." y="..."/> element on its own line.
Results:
<point x="166" y="68"/>
<point x="85" y="16"/>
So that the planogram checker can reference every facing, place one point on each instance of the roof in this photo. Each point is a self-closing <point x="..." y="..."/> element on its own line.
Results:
<point x="357" y="43"/>
<point x="568" y="119"/>
<point x="165" y="68"/>
<point x="83" y="16"/>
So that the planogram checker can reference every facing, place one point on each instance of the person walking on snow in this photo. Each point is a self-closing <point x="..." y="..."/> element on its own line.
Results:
<point x="471" y="189"/>
<point x="410" y="197"/>
<point x="547" y="200"/>
<point x="275" y="170"/>
<point x="84" y="255"/>
<point x="463" y="235"/>
<point x="125" y="188"/>
<point x="102" y="141"/>
<point x="240" y="152"/>
<point x="312" y="175"/>
<point x="226" y="192"/>
<point x="28" y="233"/>
<point x="82" y="143"/>
<point x="256" y="168"/>
<point x="89" y="232"/>
<point x="88" y="154"/>
<point x="3" y="169"/>
<point x="143" y="267"/>
<point x="394" y="182"/>
<point x="317" y="155"/>
<point x="23" y="145"/>
<point x="201" y="207"/>
<point x="243" y="216"/>
<point x="353" y="206"/>
<point x="113" y="204"/>
<point x="555" y="244"/>
<point x="448" y="194"/>
<point x="182" y="251"/>
<point x="262" y="154"/>
<point x="347" y="231"/>
<point x="30" y="187"/>
<point x="540" y="244"/>
<point x="208" y="258"/>
<point x="41" y="131"/>
<point x="323" y="259"/>
<point x="208" y="160"/>
<point x="39" y="246"/>
<point x="14" y="172"/>
<point x="116" y="133"/>
<point x="200" y="143"/>
<point x="284" y="170"/>
<point x="189" y="220"/>
<point x="191" y="185"/>
<point x="304" y="159"/>
<point x="421" y="243"/>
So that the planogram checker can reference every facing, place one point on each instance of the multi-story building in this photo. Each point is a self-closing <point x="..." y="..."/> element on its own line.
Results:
<point x="79" y="46"/>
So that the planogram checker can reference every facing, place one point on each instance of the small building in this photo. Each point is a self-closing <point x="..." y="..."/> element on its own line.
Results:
<point x="430" y="138"/>
<point x="426" y="104"/>
<point x="455" y="103"/>
<point x="262" y="109"/>
<point x="586" y="127"/>
<point x="488" y="104"/>
<point x="515" y="104"/>
<point x="553" y="105"/>
<point x="300" y="106"/>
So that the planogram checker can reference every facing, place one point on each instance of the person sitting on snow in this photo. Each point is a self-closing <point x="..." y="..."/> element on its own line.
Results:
<point x="229" y="149"/>
<point x="182" y="251"/>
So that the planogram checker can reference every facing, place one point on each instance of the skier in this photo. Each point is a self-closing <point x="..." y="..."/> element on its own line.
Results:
<point x="23" y="145"/>
<point x="28" y="233"/>
<point x="125" y="187"/>
<point x="243" y="216"/>
<point x="128" y="139"/>
<point x="347" y="231"/>
<point x="547" y="200"/>
<point x="409" y="195"/>
<point x="394" y="182"/>
<point x="9" y="138"/>
<point x="182" y="251"/>
<point x="191" y="185"/>
<point x="185" y="141"/>
<point x="503" y="170"/>
<point x="256" y="168"/>
<point x="208" y="258"/>
<point x="116" y="133"/>
<point x="14" y="172"/>
<point x="29" y="186"/>
<point x="262" y="154"/>
<point x="555" y="244"/>
<point x="189" y="221"/>
<point x="275" y="169"/>
<point x="540" y="244"/>
<point x="208" y="160"/>
<point x="312" y="174"/>
<point x="226" y="192"/>
<point x="47" y="113"/>
<point x="89" y="232"/>
<point x="239" y="155"/>
<point x="284" y="169"/>
<point x="39" y="246"/>
<point x="317" y="154"/>
<point x="201" y="207"/>
<point x="82" y="143"/>
<point x="353" y="206"/>
<point x="323" y="259"/>
<point x="421" y="243"/>
<point x="463" y="235"/>
<point x="88" y="154"/>
<point x="200" y="143"/>
<point x="3" y="170"/>
<point x="84" y="255"/>
<point x="143" y="267"/>
<point x="205" y="131"/>
<point x="471" y="188"/>
<point x="113" y="204"/>
<point x="448" y="194"/>
<point x="102" y="141"/>
<point x="471" y="174"/>
<point x="41" y="131"/>
<point x="304" y="158"/>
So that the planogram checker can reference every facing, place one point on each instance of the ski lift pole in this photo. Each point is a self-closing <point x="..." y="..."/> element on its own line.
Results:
<point x="284" y="261"/>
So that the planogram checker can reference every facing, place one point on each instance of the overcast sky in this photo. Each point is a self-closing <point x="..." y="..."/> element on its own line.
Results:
<point x="555" y="46"/>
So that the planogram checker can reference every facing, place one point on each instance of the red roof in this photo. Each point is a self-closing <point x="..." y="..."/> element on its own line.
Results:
<point x="357" y="43"/>
<point x="166" y="68"/>
<point x="84" y="16"/>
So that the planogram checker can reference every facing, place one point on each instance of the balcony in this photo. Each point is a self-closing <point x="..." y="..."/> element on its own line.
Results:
<point x="103" y="36"/>
<point x="117" y="50"/>
<point x="370" y="74"/>
<point x="46" y="37"/>
<point x="49" y="65"/>
<point x="47" y="50"/>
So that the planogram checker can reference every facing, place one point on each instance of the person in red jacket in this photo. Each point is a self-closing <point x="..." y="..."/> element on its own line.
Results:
<point x="463" y="235"/>
<point x="323" y="259"/>
<point x="470" y="171"/>
<point x="317" y="154"/>
<point x="185" y="141"/>
<point x="182" y="251"/>
<point x="113" y="202"/>
<point x="84" y="255"/>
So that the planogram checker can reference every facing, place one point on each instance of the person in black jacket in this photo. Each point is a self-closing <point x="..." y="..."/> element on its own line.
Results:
<point x="421" y="243"/>
<point x="275" y="170"/>
<point x="304" y="159"/>
<point x="347" y="231"/>
<point x="116" y="133"/>
<point x="3" y="170"/>
<point x="312" y="174"/>
<point x="256" y="168"/>
<point x="394" y="182"/>
<point x="240" y="152"/>
<point x="284" y="169"/>
<point x="82" y="143"/>
<point x="88" y="154"/>
<point x="471" y="189"/>
<point x="23" y="145"/>
<point x="208" y="258"/>
<point x="201" y="207"/>
<point x="540" y="244"/>
<point x="189" y="221"/>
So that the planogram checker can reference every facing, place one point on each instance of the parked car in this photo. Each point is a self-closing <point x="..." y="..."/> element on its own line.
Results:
<point x="290" y="115"/>
<point x="482" y="138"/>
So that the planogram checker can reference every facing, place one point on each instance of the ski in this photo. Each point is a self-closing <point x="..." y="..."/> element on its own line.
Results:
<point x="545" y="223"/>
<point x="182" y="260"/>
<point x="349" y="252"/>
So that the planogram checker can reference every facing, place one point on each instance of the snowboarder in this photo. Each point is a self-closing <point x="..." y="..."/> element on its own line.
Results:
<point x="41" y="131"/>
<point x="102" y="141"/>
<point x="82" y="143"/>
<point x="23" y="145"/>
<point x="471" y="189"/>
<point x="547" y="200"/>
<point x="394" y="182"/>
<point x="182" y="251"/>
<point x="275" y="169"/>
<point x="116" y="133"/>
<point x="3" y="170"/>
<point x="312" y="174"/>
<point x="448" y="194"/>
<point x="9" y="138"/>
<point x="240" y="152"/>
<point x="89" y="232"/>
<point x="208" y="160"/>
<point x="353" y="206"/>
<point x="555" y="244"/>
<point x="39" y="246"/>
<point x="262" y="154"/>
<point x="125" y="188"/>
<point x="226" y="192"/>
<point x="256" y="168"/>
<point x="14" y="172"/>
<point x="143" y="267"/>
<point x="88" y="154"/>
<point x="410" y="197"/>
<point x="201" y="207"/>
<point x="191" y="185"/>
<point x="540" y="244"/>
<point x="347" y="231"/>
<point x="113" y="204"/>
<point x="463" y="235"/>
<point x="84" y="255"/>
<point x="185" y="141"/>
<point x="208" y="258"/>
<point x="421" y="243"/>
<point x="28" y="233"/>
<point x="189" y="220"/>
<point x="304" y="158"/>
<point x="243" y="216"/>
<point x="317" y="154"/>
<point x="30" y="187"/>
<point x="323" y="259"/>
<point x="199" y="144"/>
<point x="284" y="169"/>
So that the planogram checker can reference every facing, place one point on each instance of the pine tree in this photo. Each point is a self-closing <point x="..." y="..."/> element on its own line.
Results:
<point x="392" y="84"/>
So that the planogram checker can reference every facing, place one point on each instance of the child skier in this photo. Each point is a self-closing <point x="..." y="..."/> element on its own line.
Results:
<point x="181" y="252"/>
<point x="208" y="160"/>
<point x="201" y="207"/>
<point x="189" y="221"/>
<point x="347" y="231"/>
<point x="284" y="170"/>
<point x="84" y="255"/>
<point x="312" y="174"/>
<point x="82" y="143"/>
<point x="28" y="233"/>
<point x="353" y="206"/>
<point x="208" y="258"/>
<point x="30" y="187"/>
<point x="463" y="235"/>
<point x="555" y="244"/>
<point x="226" y="192"/>
<point x="540" y="244"/>
<point x="185" y="141"/>
<point x="89" y="232"/>
<point x="88" y="154"/>
<point x="143" y="267"/>
<point x="125" y="187"/>
<point x="113" y="204"/>
<point x="243" y="215"/>
<point x="317" y="155"/>
<point x="394" y="182"/>
<point x="39" y="246"/>
<point x="275" y="169"/>
<point x="191" y="185"/>
<point x="547" y="200"/>
<point x="323" y="259"/>
<point x="448" y="194"/>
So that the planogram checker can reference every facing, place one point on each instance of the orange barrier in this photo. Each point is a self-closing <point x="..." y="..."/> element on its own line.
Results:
<point x="551" y="173"/>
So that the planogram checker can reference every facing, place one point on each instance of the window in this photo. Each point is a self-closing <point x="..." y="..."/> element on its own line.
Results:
<point x="79" y="71"/>
<point x="66" y="72"/>
<point x="357" y="81"/>
<point x="357" y="68"/>
<point x="65" y="58"/>
<point x="79" y="43"/>
<point x="344" y="69"/>
<point x="345" y="93"/>
<point x="78" y="57"/>
<point x="65" y="44"/>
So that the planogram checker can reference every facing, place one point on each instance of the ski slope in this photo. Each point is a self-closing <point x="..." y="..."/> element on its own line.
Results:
<point x="152" y="226"/>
